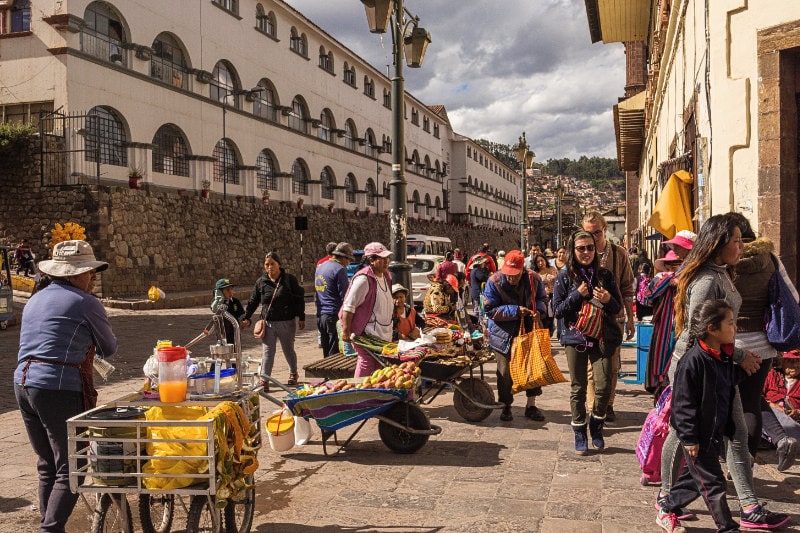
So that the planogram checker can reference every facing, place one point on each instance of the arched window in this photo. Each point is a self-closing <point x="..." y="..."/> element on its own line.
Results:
<point x="370" y="147"/>
<point x="369" y="86"/>
<point x="350" y="135"/>
<point x="106" y="137"/>
<point x="265" y="22"/>
<point x="325" y="60"/>
<point x="298" y="42"/>
<point x="226" y="167"/>
<point x="349" y="74"/>
<point x="427" y="168"/>
<point x="228" y="5"/>
<point x="170" y="151"/>
<point x="415" y="201"/>
<point x="371" y="192"/>
<point x="387" y="98"/>
<point x="265" y="171"/>
<point x="427" y="204"/>
<point x="264" y="103"/>
<point x="438" y="204"/>
<point x="103" y="34"/>
<point x="350" y="188"/>
<point x="326" y="124"/>
<point x="224" y="83"/>
<point x="327" y="182"/>
<point x="386" y="190"/>
<point x="299" y="178"/>
<point x="169" y="63"/>
<point x="298" y="115"/>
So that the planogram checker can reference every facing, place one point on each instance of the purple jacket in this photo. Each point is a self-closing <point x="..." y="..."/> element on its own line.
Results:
<point x="364" y="311"/>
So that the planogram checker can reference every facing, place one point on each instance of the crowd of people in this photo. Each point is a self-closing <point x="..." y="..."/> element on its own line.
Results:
<point x="705" y="296"/>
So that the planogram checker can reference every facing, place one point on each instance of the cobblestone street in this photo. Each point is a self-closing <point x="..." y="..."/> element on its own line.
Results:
<point x="489" y="476"/>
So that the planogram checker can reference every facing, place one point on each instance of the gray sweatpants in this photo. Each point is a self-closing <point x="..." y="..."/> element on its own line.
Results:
<point x="283" y="331"/>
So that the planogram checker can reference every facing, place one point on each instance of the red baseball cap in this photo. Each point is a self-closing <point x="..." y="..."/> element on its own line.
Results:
<point x="514" y="263"/>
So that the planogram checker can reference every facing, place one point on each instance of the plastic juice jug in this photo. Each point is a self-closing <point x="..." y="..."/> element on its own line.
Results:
<point x="172" y="374"/>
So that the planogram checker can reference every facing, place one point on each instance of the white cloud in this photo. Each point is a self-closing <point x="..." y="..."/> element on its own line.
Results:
<point x="501" y="68"/>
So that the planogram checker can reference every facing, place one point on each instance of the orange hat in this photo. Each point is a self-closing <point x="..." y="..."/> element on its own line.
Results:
<point x="514" y="263"/>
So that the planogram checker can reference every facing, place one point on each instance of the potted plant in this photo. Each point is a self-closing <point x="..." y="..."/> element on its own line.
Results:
<point x="265" y="196"/>
<point x="135" y="177"/>
<point x="206" y="184"/>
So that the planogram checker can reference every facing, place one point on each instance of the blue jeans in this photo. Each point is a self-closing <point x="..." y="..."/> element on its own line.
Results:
<point x="283" y="331"/>
<point x="45" y="413"/>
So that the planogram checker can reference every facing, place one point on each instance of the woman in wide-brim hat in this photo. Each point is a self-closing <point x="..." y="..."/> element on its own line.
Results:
<point x="63" y="326"/>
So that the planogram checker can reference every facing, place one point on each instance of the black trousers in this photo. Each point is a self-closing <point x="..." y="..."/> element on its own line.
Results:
<point x="328" y="336"/>
<point x="755" y="415"/>
<point x="702" y="476"/>
<point x="45" y="413"/>
<point x="504" y="381"/>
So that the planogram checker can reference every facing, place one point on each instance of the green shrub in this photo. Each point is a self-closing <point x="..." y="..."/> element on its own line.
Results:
<point x="14" y="137"/>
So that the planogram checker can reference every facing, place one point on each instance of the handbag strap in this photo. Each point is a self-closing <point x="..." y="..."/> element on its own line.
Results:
<point x="265" y="314"/>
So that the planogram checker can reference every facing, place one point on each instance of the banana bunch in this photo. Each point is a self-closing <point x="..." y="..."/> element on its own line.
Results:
<point x="237" y="442"/>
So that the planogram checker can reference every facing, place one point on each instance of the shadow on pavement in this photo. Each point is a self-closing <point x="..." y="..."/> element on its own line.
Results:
<point x="293" y="528"/>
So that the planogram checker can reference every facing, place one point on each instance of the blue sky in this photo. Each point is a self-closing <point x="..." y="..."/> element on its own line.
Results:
<point x="502" y="67"/>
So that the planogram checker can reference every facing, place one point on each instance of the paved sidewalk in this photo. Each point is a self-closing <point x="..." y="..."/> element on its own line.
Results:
<point x="492" y="476"/>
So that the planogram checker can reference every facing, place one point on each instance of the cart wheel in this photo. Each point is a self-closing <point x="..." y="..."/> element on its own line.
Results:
<point x="203" y="516"/>
<point x="396" y="439"/>
<point x="239" y="515"/>
<point x="109" y="513"/>
<point x="478" y="390"/>
<point x="156" y="512"/>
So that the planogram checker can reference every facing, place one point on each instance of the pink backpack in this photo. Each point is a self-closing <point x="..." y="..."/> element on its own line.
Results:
<point x="651" y="439"/>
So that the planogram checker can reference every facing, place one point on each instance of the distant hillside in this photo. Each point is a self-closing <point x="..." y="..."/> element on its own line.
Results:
<point x="600" y="172"/>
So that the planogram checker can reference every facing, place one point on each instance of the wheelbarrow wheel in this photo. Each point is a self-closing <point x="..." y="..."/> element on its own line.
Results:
<point x="203" y="516"/>
<point x="239" y="514"/>
<point x="478" y="390"/>
<point x="398" y="440"/>
<point x="156" y="512"/>
<point x="112" y="515"/>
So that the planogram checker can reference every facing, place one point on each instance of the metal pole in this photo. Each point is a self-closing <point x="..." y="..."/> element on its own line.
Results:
<point x="524" y="223"/>
<point x="559" y="192"/>
<point x="400" y="269"/>
<point x="224" y="150"/>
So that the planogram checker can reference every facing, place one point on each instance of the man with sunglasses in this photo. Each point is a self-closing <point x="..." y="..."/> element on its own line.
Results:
<point x="615" y="259"/>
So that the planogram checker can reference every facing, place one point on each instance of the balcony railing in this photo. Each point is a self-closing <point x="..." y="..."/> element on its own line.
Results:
<point x="104" y="48"/>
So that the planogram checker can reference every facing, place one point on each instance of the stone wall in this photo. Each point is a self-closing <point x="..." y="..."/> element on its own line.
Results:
<point x="179" y="241"/>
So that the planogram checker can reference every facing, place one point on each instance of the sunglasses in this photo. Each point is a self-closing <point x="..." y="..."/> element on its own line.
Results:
<point x="587" y="248"/>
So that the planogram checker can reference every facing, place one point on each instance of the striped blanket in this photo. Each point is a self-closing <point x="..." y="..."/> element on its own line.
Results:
<point x="336" y="410"/>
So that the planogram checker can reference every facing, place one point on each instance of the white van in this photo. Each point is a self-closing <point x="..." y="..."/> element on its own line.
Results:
<point x="427" y="245"/>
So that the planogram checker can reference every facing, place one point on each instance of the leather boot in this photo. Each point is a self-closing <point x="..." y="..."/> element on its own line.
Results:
<point x="581" y="442"/>
<point x="596" y="430"/>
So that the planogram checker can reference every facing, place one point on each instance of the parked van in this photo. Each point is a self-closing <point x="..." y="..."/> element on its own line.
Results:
<point x="427" y="245"/>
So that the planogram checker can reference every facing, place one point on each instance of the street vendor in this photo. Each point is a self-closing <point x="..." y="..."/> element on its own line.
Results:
<point x="367" y="307"/>
<point x="63" y="326"/>
<point x="405" y="320"/>
<point x="511" y="295"/>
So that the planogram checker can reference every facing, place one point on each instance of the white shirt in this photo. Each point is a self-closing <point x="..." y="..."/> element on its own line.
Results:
<point x="380" y="323"/>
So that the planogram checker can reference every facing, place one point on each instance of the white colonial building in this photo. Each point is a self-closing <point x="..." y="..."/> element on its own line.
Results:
<point x="238" y="96"/>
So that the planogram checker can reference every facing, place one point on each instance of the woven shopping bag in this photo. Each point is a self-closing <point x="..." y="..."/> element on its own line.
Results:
<point x="532" y="364"/>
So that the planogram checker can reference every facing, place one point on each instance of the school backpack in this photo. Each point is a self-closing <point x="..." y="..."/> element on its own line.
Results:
<point x="436" y="299"/>
<point x="651" y="439"/>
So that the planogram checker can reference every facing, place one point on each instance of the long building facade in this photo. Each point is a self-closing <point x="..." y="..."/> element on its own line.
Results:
<point x="241" y="97"/>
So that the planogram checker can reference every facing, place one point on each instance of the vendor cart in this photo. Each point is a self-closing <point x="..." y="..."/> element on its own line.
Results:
<point x="172" y="459"/>
<point x="403" y="427"/>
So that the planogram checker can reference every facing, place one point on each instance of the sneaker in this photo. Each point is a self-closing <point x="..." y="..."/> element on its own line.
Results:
<point x="534" y="413"/>
<point x="760" y="518"/>
<point x="682" y="514"/>
<point x="506" y="415"/>
<point x="669" y="522"/>
<point x="611" y="416"/>
<point x="787" y="449"/>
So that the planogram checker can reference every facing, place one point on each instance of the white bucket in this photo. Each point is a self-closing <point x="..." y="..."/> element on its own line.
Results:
<point x="280" y="430"/>
<point x="302" y="430"/>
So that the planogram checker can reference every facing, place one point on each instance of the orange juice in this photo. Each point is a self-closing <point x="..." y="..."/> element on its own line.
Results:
<point x="172" y="391"/>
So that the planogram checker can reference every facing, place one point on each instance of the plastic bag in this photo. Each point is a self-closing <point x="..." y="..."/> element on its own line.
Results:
<point x="172" y="442"/>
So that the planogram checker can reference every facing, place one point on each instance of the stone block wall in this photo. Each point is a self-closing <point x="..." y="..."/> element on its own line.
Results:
<point x="179" y="241"/>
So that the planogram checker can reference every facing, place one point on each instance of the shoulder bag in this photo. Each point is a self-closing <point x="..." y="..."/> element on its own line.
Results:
<point x="260" y="327"/>
<point x="783" y="314"/>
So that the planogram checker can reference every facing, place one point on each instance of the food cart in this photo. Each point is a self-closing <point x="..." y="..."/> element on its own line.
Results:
<point x="201" y="451"/>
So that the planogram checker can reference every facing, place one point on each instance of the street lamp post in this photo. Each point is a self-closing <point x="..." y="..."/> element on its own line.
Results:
<point x="406" y="35"/>
<point x="524" y="156"/>
<point x="559" y="197"/>
<point x="227" y="93"/>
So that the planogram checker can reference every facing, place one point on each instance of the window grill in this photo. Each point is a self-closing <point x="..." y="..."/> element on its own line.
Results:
<point x="169" y="152"/>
